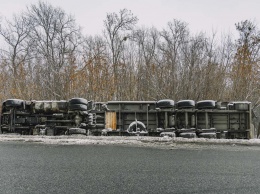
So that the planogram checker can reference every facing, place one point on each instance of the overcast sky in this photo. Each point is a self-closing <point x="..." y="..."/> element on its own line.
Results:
<point x="201" y="15"/>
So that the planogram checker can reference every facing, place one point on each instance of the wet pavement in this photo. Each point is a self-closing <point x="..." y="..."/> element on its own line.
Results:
<point x="37" y="168"/>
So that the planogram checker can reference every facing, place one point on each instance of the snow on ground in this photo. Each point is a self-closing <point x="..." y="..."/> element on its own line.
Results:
<point x="140" y="141"/>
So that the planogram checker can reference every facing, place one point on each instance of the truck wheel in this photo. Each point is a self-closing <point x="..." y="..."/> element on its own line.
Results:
<point x="185" y="104"/>
<point x="206" y="104"/>
<point x="77" y="131"/>
<point x="190" y="130"/>
<point x="169" y="134"/>
<point x="188" y="135"/>
<point x="13" y="102"/>
<point x="211" y="130"/>
<point x="81" y="107"/>
<point x="166" y="103"/>
<point x="78" y="101"/>
<point x="208" y="135"/>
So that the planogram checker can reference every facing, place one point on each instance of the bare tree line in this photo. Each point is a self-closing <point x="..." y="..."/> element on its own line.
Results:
<point x="46" y="56"/>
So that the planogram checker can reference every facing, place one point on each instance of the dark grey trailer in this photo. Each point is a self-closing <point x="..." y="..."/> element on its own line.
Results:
<point x="185" y="118"/>
<point x="133" y="117"/>
<point x="212" y="119"/>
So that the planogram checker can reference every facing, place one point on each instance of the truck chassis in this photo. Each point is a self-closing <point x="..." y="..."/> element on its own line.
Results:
<point x="185" y="118"/>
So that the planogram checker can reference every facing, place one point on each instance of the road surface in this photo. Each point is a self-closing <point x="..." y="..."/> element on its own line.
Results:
<point x="37" y="168"/>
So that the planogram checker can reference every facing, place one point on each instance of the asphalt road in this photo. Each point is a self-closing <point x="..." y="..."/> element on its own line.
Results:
<point x="35" y="168"/>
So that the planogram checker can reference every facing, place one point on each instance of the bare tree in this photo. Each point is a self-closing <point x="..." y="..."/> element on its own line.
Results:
<point x="174" y="39"/>
<point x="118" y="27"/>
<point x="245" y="70"/>
<point x="97" y="69"/>
<point x="147" y="40"/>
<point x="56" y="38"/>
<point x="15" y="34"/>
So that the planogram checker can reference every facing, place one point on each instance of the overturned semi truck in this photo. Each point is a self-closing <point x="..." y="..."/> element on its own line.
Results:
<point x="185" y="118"/>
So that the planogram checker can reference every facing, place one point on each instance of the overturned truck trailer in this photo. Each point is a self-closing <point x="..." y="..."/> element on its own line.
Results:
<point x="185" y="118"/>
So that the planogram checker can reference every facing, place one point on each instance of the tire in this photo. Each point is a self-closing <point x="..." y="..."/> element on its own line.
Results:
<point x="167" y="103"/>
<point x="211" y="130"/>
<point x="77" y="131"/>
<point x="206" y="104"/>
<point x="185" y="104"/>
<point x="14" y="103"/>
<point x="169" y="134"/>
<point x="190" y="130"/>
<point x="134" y="125"/>
<point x="188" y="135"/>
<point x="208" y="135"/>
<point x="81" y="107"/>
<point x="78" y="101"/>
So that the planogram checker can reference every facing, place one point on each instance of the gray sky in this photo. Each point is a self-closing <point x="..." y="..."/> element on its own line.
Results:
<point x="201" y="15"/>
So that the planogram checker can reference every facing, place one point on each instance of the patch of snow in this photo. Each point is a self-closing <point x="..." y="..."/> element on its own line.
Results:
<point x="143" y="141"/>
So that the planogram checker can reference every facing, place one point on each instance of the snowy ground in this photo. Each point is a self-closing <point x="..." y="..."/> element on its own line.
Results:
<point x="140" y="141"/>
